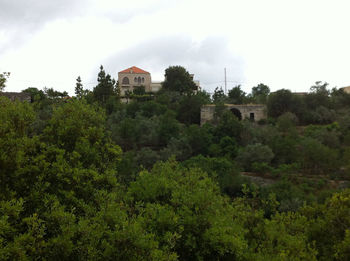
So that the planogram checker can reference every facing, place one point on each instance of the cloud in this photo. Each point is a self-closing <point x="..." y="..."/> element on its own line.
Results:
<point x="124" y="12"/>
<point x="206" y="59"/>
<point x="20" y="19"/>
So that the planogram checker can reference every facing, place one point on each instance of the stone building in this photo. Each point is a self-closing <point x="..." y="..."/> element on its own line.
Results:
<point x="253" y="112"/>
<point x="133" y="77"/>
<point x="346" y="89"/>
<point x="21" y="96"/>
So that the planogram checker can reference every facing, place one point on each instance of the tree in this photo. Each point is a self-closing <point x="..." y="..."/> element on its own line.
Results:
<point x="260" y="93"/>
<point x="189" y="108"/>
<point x="178" y="79"/>
<point x="3" y="78"/>
<point x="184" y="209"/>
<point x="256" y="153"/>
<point x="228" y="125"/>
<point x="35" y="94"/>
<point x="139" y="90"/>
<point x="283" y="101"/>
<point x="105" y="88"/>
<point x="53" y="94"/>
<point x="79" y="91"/>
<point x="317" y="158"/>
<point x="237" y="95"/>
<point x="219" y="96"/>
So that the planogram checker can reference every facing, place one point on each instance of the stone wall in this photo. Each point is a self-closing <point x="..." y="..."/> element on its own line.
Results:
<point x="21" y="96"/>
<point x="254" y="112"/>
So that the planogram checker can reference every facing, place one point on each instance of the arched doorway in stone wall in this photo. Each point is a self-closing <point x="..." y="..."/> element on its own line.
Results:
<point x="237" y="113"/>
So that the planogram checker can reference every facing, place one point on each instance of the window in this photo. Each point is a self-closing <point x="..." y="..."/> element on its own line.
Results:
<point x="125" y="80"/>
<point x="251" y="116"/>
<point x="135" y="80"/>
<point x="143" y="80"/>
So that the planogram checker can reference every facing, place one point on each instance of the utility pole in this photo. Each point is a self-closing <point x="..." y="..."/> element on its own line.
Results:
<point x="225" y="81"/>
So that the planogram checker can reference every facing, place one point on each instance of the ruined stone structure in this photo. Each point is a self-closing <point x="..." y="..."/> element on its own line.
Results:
<point x="21" y="96"/>
<point x="254" y="112"/>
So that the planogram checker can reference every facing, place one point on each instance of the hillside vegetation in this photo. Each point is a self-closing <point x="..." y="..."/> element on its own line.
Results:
<point x="91" y="178"/>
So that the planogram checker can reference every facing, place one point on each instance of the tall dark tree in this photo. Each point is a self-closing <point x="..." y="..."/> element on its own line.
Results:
<point x="260" y="93"/>
<point x="283" y="101"/>
<point x="178" y="79"/>
<point x="237" y="95"/>
<point x="318" y="96"/>
<point x="105" y="88"/>
<point x="219" y="96"/>
<point x="79" y="88"/>
<point x="3" y="78"/>
<point x="190" y="107"/>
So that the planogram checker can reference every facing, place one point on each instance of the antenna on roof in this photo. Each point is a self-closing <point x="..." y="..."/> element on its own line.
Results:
<point x="225" y="80"/>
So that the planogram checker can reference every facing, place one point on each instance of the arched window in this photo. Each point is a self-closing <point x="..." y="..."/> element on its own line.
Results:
<point x="135" y="80"/>
<point x="143" y="80"/>
<point x="139" y="80"/>
<point x="125" y="80"/>
<point x="237" y="113"/>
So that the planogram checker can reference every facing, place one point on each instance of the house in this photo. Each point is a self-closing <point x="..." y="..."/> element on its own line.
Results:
<point x="346" y="89"/>
<point x="133" y="77"/>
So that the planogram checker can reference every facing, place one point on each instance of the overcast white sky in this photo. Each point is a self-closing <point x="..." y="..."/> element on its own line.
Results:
<point x="284" y="44"/>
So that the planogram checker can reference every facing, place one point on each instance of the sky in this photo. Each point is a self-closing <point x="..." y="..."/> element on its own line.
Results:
<point x="287" y="44"/>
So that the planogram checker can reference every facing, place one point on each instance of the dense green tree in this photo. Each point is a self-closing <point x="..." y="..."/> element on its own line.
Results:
<point x="35" y="94"/>
<point x="80" y="92"/>
<point x="189" y="108"/>
<point x="3" y="78"/>
<point x="55" y="95"/>
<point x="287" y="122"/>
<point x="195" y="221"/>
<point x="229" y="126"/>
<point x="105" y="88"/>
<point x="317" y="158"/>
<point x="139" y="90"/>
<point x="283" y="101"/>
<point x="236" y="95"/>
<point x="178" y="79"/>
<point x="260" y="93"/>
<point x="256" y="153"/>
<point x="219" y="96"/>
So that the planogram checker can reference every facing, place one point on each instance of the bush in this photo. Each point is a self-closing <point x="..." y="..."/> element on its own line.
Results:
<point x="254" y="153"/>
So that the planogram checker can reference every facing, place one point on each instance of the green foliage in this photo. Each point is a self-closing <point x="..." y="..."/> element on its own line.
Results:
<point x="105" y="88"/>
<point x="68" y="192"/>
<point x="224" y="171"/>
<point x="253" y="154"/>
<point x="229" y="126"/>
<point x="219" y="96"/>
<point x="287" y="122"/>
<point x="179" y="80"/>
<point x="317" y="158"/>
<point x="236" y="95"/>
<point x="139" y="90"/>
<point x="35" y="94"/>
<point x="195" y="221"/>
<point x="283" y="101"/>
<point x="260" y="93"/>
<point x="3" y="78"/>
<point x="189" y="108"/>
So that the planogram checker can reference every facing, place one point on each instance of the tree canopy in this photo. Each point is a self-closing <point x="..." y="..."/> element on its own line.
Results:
<point x="178" y="79"/>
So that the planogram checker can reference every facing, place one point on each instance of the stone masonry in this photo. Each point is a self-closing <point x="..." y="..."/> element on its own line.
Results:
<point x="254" y="112"/>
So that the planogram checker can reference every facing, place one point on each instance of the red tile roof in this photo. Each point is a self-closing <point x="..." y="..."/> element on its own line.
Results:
<point x="134" y="69"/>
